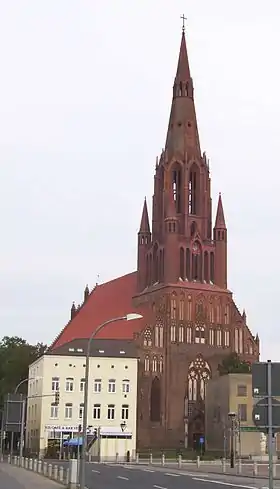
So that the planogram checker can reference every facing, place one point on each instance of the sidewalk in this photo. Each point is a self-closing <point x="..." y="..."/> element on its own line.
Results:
<point x="12" y="477"/>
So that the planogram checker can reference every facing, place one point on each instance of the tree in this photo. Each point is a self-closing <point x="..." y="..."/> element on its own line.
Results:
<point x="232" y="364"/>
<point x="15" y="357"/>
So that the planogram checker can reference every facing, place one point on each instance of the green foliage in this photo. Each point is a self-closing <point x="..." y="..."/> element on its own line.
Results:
<point x="232" y="364"/>
<point x="15" y="357"/>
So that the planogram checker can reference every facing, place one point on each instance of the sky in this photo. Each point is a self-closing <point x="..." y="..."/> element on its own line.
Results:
<point x="85" y="94"/>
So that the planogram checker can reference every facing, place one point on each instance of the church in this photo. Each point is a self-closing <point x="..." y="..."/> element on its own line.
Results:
<point x="190" y="320"/>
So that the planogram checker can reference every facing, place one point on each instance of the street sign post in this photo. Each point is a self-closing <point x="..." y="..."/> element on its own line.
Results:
<point x="266" y="411"/>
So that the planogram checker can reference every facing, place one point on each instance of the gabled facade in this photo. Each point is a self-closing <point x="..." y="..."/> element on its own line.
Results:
<point x="190" y="321"/>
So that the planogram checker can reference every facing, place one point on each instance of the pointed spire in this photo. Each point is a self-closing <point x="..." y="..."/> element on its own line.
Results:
<point x="220" y="218"/>
<point x="145" y="225"/>
<point x="183" y="70"/>
<point x="86" y="293"/>
<point x="73" y="310"/>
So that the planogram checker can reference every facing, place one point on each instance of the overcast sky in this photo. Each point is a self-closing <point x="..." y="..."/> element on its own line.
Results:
<point x="85" y="94"/>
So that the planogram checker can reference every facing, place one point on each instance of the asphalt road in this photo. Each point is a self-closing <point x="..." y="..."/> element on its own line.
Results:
<point x="104" y="476"/>
<point x="8" y="482"/>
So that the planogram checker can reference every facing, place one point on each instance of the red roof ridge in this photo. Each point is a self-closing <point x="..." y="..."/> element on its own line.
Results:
<point x="95" y="288"/>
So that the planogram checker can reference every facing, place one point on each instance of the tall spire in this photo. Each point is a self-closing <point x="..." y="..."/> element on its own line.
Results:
<point x="183" y="69"/>
<point x="220" y="218"/>
<point x="145" y="225"/>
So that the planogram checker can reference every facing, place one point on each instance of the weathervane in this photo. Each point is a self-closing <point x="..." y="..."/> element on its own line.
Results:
<point x="183" y="19"/>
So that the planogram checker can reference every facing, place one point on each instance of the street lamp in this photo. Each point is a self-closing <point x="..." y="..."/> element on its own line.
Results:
<point x="22" y="418"/>
<point x="232" y="416"/>
<point x="128" y="317"/>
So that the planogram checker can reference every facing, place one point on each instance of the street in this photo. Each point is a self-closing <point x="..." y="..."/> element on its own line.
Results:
<point x="103" y="476"/>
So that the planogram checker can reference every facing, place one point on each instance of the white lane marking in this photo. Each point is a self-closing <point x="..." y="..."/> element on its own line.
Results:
<point x="96" y="471"/>
<point x="123" y="478"/>
<point x="147" y="470"/>
<point x="172" y="475"/>
<point x="159" y="487"/>
<point x="223" y="483"/>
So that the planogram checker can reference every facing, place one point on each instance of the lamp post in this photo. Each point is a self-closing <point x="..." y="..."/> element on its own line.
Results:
<point x="232" y="416"/>
<point x="128" y="317"/>
<point x="22" y="418"/>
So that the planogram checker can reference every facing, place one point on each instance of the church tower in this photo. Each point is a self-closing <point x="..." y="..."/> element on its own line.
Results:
<point x="181" y="246"/>
<point x="191" y="320"/>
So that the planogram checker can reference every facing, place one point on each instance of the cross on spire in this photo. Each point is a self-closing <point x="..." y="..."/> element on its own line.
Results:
<point x="183" y="19"/>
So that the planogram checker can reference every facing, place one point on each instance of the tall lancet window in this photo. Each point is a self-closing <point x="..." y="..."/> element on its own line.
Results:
<point x="177" y="186"/>
<point x="193" y="189"/>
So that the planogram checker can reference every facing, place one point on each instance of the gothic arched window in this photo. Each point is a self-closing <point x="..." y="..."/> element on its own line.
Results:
<point x="155" y="264"/>
<point x="148" y="337"/>
<point x="146" y="364"/>
<point x="198" y="375"/>
<point x="155" y="400"/>
<point x="194" y="190"/>
<point x="189" y="308"/>
<point x="196" y="261"/>
<point x="182" y="263"/>
<point x="177" y="186"/>
<point x="206" y="267"/>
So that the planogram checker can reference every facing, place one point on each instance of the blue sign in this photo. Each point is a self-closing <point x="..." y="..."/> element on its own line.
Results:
<point x="201" y="440"/>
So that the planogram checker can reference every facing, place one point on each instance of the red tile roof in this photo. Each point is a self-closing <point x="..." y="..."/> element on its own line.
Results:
<point x="106" y="301"/>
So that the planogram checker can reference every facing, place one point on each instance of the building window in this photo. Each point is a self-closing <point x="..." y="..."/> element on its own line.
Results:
<point x="112" y="385"/>
<point x="148" y="337"/>
<point x="97" y="385"/>
<point x="242" y="390"/>
<point x="189" y="335"/>
<point x="96" y="411"/>
<point x="173" y="308"/>
<point x="173" y="333"/>
<point x="240" y="341"/>
<point x="211" y="337"/>
<point x="242" y="412"/>
<point x="219" y="314"/>
<point x="200" y="334"/>
<point x="154" y="364"/>
<point x="219" y="337"/>
<point x="54" y="411"/>
<point x="181" y="334"/>
<point x="69" y="386"/>
<point x="189" y="308"/>
<point x="160" y="364"/>
<point x="147" y="364"/>
<point x="227" y="338"/>
<point x="125" y="411"/>
<point x="82" y="385"/>
<point x="236" y="337"/>
<point x="125" y="386"/>
<point x="81" y="411"/>
<point x="181" y="309"/>
<point x="68" y="410"/>
<point x="161" y="337"/>
<point x="55" y="384"/>
<point x="156" y="336"/>
<point x="111" y="411"/>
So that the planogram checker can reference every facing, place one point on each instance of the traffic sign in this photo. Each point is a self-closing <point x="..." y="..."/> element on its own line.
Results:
<point x="201" y="440"/>
<point x="260" y="379"/>
<point x="260" y="415"/>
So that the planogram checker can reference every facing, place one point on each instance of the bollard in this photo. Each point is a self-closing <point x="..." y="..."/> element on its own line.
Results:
<point x="9" y="459"/>
<point x="35" y="465"/>
<point x="45" y="468"/>
<point x="30" y="461"/>
<point x="198" y="461"/>
<point x="61" y="474"/>
<point x="67" y="478"/>
<point x="163" y="460"/>
<point x="179" y="461"/>
<point x="50" y="471"/>
<point x="137" y="458"/>
<point x="224" y="465"/>
<point x="239" y="466"/>
<point x="39" y="467"/>
<point x="26" y="463"/>
<point x="151" y="458"/>
<point x="55" y="472"/>
<point x="15" y="460"/>
<point x="255" y="468"/>
<point x="73" y="473"/>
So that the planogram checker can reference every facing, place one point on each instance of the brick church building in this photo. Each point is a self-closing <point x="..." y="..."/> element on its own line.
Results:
<point x="190" y="320"/>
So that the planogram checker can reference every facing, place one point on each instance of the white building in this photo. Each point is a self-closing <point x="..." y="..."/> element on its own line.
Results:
<point x="112" y="396"/>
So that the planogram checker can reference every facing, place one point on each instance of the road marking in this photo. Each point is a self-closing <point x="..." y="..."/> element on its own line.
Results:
<point x="159" y="487"/>
<point x="123" y="478"/>
<point x="147" y="470"/>
<point x="96" y="471"/>
<point x="223" y="483"/>
<point x="172" y="475"/>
